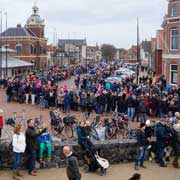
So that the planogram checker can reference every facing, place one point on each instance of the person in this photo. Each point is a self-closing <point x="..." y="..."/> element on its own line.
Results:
<point x="45" y="140"/>
<point x="131" y="107"/>
<point x="162" y="136"/>
<point x="67" y="102"/>
<point x="176" y="129"/>
<point x="142" y="141"/>
<point x="72" y="167"/>
<point x="1" y="122"/>
<point x="101" y="129"/>
<point x="19" y="145"/>
<point x="31" y="145"/>
<point x="136" y="176"/>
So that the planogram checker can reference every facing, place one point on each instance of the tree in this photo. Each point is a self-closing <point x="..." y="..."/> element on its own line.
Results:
<point x="108" y="51"/>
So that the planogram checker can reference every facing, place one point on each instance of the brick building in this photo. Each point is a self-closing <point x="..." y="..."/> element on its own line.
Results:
<point x="28" y="41"/>
<point x="171" y="46"/>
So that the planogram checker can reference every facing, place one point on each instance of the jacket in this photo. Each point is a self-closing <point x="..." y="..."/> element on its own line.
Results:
<point x="142" y="138"/>
<point x="1" y="122"/>
<point x="45" y="137"/>
<point x="31" y="139"/>
<point x="19" y="143"/>
<point x="162" y="135"/>
<point x="81" y="135"/>
<point x="72" y="168"/>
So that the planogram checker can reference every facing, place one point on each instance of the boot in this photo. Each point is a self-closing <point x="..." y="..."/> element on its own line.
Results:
<point x="19" y="174"/>
<point x="15" y="175"/>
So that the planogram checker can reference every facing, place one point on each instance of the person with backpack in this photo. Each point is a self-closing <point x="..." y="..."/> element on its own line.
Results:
<point x="19" y="145"/>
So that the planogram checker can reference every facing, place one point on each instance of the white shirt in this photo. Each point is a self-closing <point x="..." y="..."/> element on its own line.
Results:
<point x="101" y="132"/>
<point x="19" y="143"/>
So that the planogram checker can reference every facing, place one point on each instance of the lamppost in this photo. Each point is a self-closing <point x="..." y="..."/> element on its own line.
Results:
<point x="6" y="46"/>
<point x="1" y="47"/>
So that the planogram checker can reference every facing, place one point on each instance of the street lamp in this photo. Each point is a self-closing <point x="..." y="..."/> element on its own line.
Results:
<point x="6" y="46"/>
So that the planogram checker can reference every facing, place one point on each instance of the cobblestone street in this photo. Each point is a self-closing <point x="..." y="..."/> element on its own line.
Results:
<point x="115" y="172"/>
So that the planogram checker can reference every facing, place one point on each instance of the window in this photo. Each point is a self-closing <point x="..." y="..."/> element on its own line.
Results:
<point x="173" y="71"/>
<point x="174" y="11"/>
<point x="174" y="39"/>
<point x="32" y="49"/>
<point x="18" y="49"/>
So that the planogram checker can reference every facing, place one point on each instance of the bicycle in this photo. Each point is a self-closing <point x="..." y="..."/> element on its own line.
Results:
<point x="62" y="125"/>
<point x="117" y="128"/>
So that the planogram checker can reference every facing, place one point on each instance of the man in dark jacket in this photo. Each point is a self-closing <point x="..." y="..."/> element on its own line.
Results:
<point x="31" y="145"/>
<point x="143" y="142"/>
<point x="162" y="136"/>
<point x="131" y="107"/>
<point x="72" y="168"/>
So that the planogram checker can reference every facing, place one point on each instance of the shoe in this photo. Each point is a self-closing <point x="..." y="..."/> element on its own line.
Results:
<point x="86" y="169"/>
<point x="103" y="172"/>
<point x="136" y="168"/>
<point x="142" y="166"/>
<point x="175" y="165"/>
<point x="19" y="174"/>
<point x="167" y="159"/>
<point x="33" y="174"/>
<point x="15" y="175"/>
<point x="163" y="165"/>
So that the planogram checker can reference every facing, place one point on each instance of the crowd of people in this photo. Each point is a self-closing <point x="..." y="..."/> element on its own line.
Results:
<point x="153" y="97"/>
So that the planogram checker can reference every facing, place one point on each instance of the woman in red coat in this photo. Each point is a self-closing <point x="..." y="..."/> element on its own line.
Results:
<point x="1" y="122"/>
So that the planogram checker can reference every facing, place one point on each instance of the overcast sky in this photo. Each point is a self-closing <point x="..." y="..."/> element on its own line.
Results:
<point x="101" y="21"/>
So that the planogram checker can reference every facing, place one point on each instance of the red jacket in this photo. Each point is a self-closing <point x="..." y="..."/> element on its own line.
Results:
<point x="1" y="121"/>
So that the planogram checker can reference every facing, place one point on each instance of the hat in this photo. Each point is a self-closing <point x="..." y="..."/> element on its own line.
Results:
<point x="148" y="122"/>
<point x="142" y="125"/>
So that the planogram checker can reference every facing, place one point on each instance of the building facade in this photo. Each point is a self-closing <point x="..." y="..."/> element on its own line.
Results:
<point x="75" y="49"/>
<point x="28" y="41"/>
<point x="171" y="45"/>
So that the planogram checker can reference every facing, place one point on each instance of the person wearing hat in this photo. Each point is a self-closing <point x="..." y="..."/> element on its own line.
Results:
<point x="19" y="145"/>
<point x="1" y="122"/>
<point x="162" y="139"/>
<point x="142" y="141"/>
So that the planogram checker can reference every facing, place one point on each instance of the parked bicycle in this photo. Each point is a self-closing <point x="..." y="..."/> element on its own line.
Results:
<point x="62" y="125"/>
<point x="117" y="127"/>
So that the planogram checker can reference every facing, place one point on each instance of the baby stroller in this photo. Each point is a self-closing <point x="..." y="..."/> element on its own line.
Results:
<point x="93" y="162"/>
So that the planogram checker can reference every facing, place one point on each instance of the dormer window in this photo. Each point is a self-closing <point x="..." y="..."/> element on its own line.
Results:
<point x="174" y="11"/>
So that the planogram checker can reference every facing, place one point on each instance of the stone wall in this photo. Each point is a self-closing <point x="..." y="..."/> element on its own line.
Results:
<point x="115" y="151"/>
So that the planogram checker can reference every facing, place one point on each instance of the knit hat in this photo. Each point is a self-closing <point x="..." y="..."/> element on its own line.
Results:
<point x="148" y="122"/>
<point x="142" y="125"/>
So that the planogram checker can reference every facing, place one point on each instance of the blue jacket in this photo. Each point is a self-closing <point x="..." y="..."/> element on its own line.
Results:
<point x="45" y="138"/>
<point x="67" y="98"/>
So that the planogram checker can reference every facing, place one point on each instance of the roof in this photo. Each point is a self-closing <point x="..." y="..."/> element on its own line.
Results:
<point x="77" y="42"/>
<point x="3" y="50"/>
<point x="13" y="62"/>
<point x="17" y="31"/>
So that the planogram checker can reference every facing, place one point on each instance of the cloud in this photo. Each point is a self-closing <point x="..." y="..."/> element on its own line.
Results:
<point x="112" y="21"/>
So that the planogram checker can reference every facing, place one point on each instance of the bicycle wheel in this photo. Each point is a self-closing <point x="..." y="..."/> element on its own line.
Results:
<point x="68" y="129"/>
<point x="109" y="132"/>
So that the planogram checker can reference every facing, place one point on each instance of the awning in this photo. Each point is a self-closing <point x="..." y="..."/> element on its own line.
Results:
<point x="13" y="63"/>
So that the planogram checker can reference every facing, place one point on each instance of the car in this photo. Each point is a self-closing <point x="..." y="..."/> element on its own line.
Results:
<point x="114" y="79"/>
